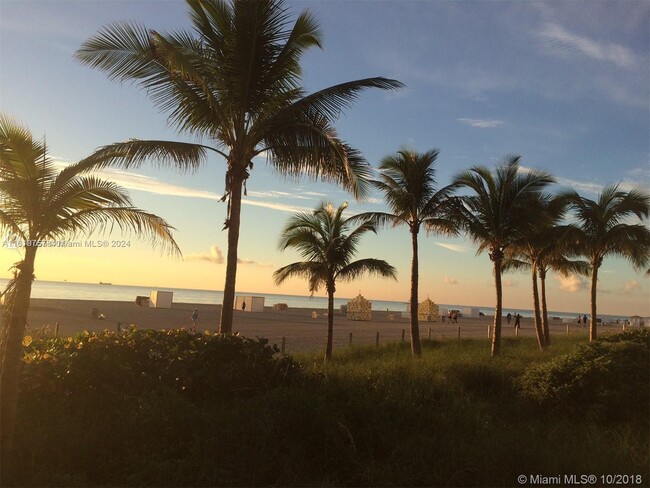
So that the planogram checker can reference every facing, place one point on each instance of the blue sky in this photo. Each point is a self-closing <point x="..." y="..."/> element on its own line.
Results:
<point x="564" y="84"/>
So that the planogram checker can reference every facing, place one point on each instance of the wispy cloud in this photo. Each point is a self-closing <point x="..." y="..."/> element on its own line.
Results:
<point x="564" y="42"/>
<point x="452" y="247"/>
<point x="572" y="283"/>
<point x="481" y="123"/>
<point x="150" y="184"/>
<point x="631" y="285"/>
<point x="450" y="281"/>
<point x="215" y="256"/>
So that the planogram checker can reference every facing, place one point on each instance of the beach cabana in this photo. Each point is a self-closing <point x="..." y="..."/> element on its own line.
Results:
<point x="161" y="299"/>
<point x="428" y="311"/>
<point x="359" y="309"/>
<point x="638" y="321"/>
<point x="253" y="304"/>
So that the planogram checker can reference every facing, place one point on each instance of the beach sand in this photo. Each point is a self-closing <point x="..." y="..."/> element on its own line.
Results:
<point x="302" y="332"/>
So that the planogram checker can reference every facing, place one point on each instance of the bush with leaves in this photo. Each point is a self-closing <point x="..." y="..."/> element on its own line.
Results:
<point x="200" y="366"/>
<point x="606" y="380"/>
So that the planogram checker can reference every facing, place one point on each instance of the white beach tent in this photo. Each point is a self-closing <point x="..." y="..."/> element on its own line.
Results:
<point x="253" y="304"/>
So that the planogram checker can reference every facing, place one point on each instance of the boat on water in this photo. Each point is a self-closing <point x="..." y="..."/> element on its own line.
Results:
<point x="104" y="283"/>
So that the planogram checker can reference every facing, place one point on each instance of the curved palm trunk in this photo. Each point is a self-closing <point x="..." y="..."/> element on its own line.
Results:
<point x="593" y="332"/>
<point x="416" y="348"/>
<point x="330" y="323"/>
<point x="16" y="320"/>
<point x="498" y="311"/>
<point x="547" y="332"/>
<point x="234" y="221"/>
<point x="539" y="329"/>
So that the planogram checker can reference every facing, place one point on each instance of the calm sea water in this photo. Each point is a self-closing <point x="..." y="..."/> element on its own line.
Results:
<point x="94" y="291"/>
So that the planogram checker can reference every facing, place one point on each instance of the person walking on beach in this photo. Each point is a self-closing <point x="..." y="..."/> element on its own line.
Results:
<point x="243" y="306"/>
<point x="517" y="321"/>
<point x="509" y="317"/>
<point x="584" y="320"/>
<point x="195" y="319"/>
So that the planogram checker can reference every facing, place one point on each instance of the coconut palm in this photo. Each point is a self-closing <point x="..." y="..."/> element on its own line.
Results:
<point x="235" y="81"/>
<point x="553" y="256"/>
<point x="38" y="204"/>
<point x="497" y="214"/>
<point x="602" y="231"/>
<point x="328" y="242"/>
<point x="407" y="180"/>
<point x="530" y="249"/>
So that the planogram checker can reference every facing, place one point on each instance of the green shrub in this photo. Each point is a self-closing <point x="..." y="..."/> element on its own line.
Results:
<point x="200" y="366"/>
<point x="607" y="379"/>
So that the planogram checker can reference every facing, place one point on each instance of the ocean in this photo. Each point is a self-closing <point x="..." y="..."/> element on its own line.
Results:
<point x="127" y="293"/>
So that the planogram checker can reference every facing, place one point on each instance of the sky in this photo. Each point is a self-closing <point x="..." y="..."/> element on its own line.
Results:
<point x="563" y="84"/>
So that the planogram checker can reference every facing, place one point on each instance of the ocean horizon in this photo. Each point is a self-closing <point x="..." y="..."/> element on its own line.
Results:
<point x="64" y="290"/>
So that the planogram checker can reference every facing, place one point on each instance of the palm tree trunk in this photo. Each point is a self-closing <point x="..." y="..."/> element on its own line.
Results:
<point x="539" y="330"/>
<point x="593" y="332"/>
<point x="234" y="221"/>
<point x="330" y="323"/>
<point x="16" y="317"/>
<point x="416" y="348"/>
<point x="498" y="311"/>
<point x="547" y="332"/>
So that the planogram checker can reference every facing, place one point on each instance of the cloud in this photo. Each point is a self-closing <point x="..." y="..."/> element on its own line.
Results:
<point x="214" y="256"/>
<point x="150" y="184"/>
<point x="572" y="283"/>
<point x="508" y="283"/>
<point x="481" y="123"/>
<point x="631" y="285"/>
<point x="450" y="281"/>
<point x="452" y="247"/>
<point x="564" y="42"/>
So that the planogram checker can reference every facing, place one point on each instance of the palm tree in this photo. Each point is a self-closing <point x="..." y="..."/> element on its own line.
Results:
<point x="235" y="81"/>
<point x="497" y="214"/>
<point x="38" y="204"/>
<point x="553" y="256"/>
<point x="602" y="231"/>
<point x="328" y="242"/>
<point x="407" y="180"/>
<point x="529" y="251"/>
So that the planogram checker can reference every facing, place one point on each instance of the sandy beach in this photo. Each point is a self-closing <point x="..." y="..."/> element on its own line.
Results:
<point x="302" y="331"/>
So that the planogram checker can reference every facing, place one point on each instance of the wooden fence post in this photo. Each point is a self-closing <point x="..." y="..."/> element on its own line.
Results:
<point x="284" y="343"/>
<point x="489" y="331"/>
<point x="350" y="339"/>
<point x="429" y="333"/>
<point x="567" y="328"/>
<point x="377" y="339"/>
<point x="516" y="331"/>
<point x="459" y="332"/>
<point x="403" y="332"/>
<point x="56" y="330"/>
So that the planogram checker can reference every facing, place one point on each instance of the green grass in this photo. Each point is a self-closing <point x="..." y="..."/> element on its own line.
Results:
<point x="371" y="417"/>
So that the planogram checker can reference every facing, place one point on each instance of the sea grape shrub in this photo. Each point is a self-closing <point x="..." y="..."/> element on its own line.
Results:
<point x="199" y="366"/>
<point x="604" y="380"/>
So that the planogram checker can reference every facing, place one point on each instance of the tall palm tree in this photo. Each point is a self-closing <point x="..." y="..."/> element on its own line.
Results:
<point x="533" y="245"/>
<point x="553" y="255"/>
<point x="38" y="204"/>
<point x="328" y="242"/>
<point x="497" y="213"/>
<point x="407" y="180"/>
<point x="602" y="230"/>
<point x="235" y="81"/>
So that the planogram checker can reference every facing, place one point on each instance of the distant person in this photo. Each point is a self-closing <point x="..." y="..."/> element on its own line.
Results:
<point x="584" y="319"/>
<point x="243" y="306"/>
<point x="195" y="318"/>
<point x="509" y="317"/>
<point x="517" y="321"/>
<point x="579" y="321"/>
